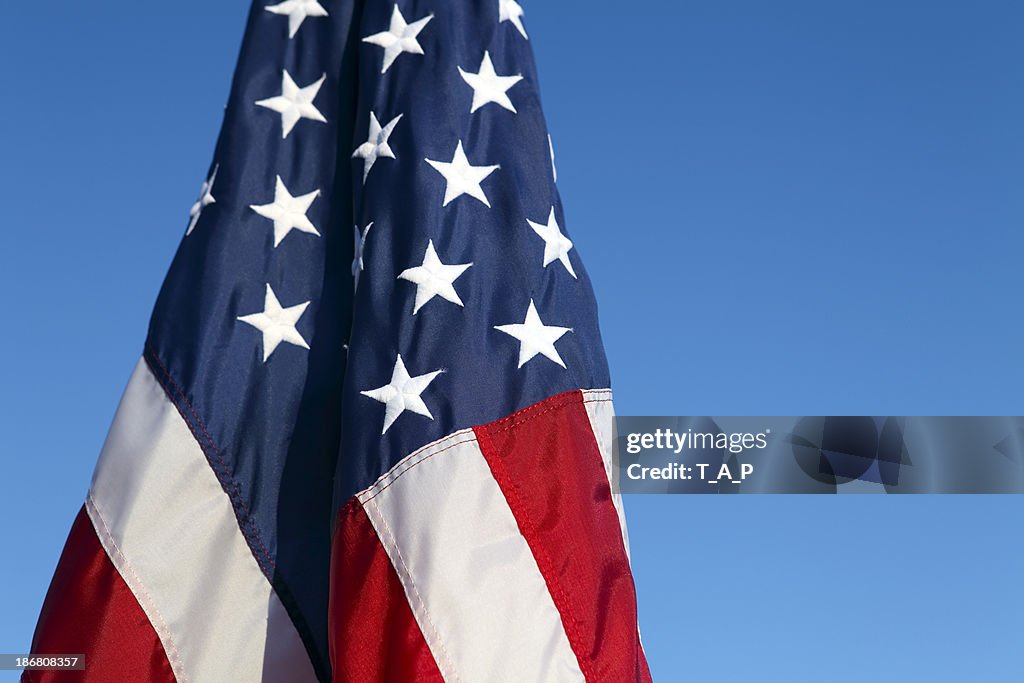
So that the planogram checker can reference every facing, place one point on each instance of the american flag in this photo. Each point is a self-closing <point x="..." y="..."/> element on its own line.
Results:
<point x="368" y="438"/>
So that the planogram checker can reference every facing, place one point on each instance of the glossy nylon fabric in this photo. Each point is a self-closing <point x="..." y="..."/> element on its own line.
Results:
<point x="170" y="532"/>
<point x="90" y="610"/>
<point x="464" y="564"/>
<point x="403" y="197"/>
<point x="374" y="634"/>
<point x="270" y="431"/>
<point x="504" y="544"/>
<point x="292" y="439"/>
<point x="548" y="464"/>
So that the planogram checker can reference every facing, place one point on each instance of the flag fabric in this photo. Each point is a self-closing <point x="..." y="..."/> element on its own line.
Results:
<point x="369" y="435"/>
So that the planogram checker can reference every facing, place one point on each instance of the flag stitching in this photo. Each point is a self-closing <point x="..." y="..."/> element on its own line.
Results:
<point x="226" y="480"/>
<point x="523" y="416"/>
<point x="410" y="585"/>
<point x="421" y="460"/>
<point x="408" y="458"/>
<point x="248" y="528"/>
<point x="540" y="556"/>
<point x="145" y="600"/>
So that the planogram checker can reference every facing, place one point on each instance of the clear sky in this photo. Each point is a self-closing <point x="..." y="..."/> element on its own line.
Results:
<point x="786" y="208"/>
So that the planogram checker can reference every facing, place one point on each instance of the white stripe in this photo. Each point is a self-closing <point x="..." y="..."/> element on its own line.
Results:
<point x="601" y="413"/>
<point x="171" y="532"/>
<point x="471" y="580"/>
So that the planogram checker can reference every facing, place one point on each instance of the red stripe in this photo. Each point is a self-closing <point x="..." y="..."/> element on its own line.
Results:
<point x="90" y="610"/>
<point x="373" y="634"/>
<point x="546" y="461"/>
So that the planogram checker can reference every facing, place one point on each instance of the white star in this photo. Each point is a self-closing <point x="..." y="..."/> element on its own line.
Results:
<point x="297" y="11"/>
<point x="276" y="323"/>
<point x="556" y="245"/>
<point x="535" y="337"/>
<point x="287" y="212"/>
<point x="461" y="177"/>
<point x="204" y="200"/>
<point x="402" y="393"/>
<point x="295" y="103"/>
<point x="400" y="37"/>
<point x="434" y="278"/>
<point x="488" y="86"/>
<point x="510" y="10"/>
<point x="376" y="144"/>
<point x="360" y="246"/>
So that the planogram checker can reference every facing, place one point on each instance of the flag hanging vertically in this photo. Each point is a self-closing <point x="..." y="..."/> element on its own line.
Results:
<point x="369" y="435"/>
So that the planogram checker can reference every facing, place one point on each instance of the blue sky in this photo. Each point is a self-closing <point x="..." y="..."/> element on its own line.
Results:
<point x="786" y="208"/>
